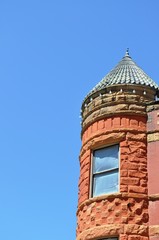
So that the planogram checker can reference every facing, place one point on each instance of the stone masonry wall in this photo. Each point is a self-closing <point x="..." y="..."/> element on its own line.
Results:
<point x="123" y="214"/>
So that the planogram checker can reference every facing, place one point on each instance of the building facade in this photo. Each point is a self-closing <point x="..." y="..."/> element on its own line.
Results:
<point x="119" y="162"/>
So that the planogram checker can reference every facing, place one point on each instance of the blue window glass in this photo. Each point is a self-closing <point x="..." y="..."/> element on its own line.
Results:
<point x="105" y="170"/>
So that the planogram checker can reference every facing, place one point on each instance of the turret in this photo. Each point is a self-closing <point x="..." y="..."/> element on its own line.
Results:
<point x="114" y="166"/>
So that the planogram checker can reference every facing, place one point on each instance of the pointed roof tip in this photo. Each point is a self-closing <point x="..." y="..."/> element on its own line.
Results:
<point x="127" y="53"/>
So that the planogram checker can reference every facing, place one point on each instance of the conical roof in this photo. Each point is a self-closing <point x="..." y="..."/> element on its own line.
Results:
<point x="126" y="72"/>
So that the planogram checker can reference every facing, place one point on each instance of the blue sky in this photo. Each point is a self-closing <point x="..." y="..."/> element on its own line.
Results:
<point x="52" y="53"/>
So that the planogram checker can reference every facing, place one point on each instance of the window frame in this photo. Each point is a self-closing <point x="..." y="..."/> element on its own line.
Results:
<point x="92" y="175"/>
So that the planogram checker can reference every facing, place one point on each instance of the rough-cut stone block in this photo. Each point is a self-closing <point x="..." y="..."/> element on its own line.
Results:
<point x="137" y="189"/>
<point x="123" y="237"/>
<point x="138" y="174"/>
<point x="123" y="173"/>
<point x="124" y="220"/>
<point x="129" y="181"/>
<point x="101" y="124"/>
<point x="135" y="137"/>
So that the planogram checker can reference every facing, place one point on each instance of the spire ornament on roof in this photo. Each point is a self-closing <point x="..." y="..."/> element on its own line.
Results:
<point x="127" y="52"/>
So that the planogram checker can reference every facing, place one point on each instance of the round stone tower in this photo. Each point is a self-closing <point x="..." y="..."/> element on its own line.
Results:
<point x="113" y="185"/>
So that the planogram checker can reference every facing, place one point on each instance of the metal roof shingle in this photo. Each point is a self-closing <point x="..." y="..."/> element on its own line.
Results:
<point x="126" y="72"/>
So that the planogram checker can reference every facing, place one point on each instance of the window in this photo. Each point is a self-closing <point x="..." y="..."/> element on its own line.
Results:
<point x="105" y="171"/>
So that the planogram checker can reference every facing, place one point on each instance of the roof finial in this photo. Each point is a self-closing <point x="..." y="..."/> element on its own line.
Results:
<point x="127" y="52"/>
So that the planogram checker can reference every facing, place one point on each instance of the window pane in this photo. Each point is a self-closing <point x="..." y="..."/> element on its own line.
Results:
<point x="105" y="158"/>
<point x="105" y="183"/>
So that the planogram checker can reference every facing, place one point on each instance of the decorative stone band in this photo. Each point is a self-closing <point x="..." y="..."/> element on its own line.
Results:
<point x="120" y="125"/>
<point x="153" y="197"/>
<point x="154" y="231"/>
<point x="153" y="137"/>
<point x="115" y="101"/>
<point x="144" y="93"/>
<point x="110" y="111"/>
<point x="111" y="196"/>
<point x="134" y="231"/>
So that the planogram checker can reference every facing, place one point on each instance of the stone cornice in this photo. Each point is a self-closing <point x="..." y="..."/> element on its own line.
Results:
<point x="109" y="105"/>
<point x="144" y="92"/>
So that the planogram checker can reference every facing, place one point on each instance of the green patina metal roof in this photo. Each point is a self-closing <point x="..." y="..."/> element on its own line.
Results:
<point x="126" y="72"/>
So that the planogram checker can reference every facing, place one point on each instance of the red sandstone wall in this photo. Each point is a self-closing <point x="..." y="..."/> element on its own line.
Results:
<point x="153" y="167"/>
<point x="153" y="172"/>
<point x="153" y="152"/>
<point x="128" y="210"/>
